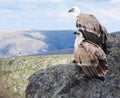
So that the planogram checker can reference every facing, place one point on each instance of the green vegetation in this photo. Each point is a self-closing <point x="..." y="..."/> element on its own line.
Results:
<point x="14" y="72"/>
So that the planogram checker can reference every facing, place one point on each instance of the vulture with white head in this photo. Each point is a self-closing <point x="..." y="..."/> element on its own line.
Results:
<point x="90" y="27"/>
<point x="90" y="57"/>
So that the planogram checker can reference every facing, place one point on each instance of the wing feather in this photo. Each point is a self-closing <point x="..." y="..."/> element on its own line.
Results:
<point x="95" y="50"/>
<point x="88" y="23"/>
<point x="92" y="29"/>
<point x="91" y="59"/>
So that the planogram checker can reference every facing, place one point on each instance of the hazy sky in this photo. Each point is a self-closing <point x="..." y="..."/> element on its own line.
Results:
<point x="53" y="14"/>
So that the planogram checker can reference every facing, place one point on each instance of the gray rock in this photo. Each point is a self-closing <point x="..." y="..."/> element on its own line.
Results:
<point x="66" y="81"/>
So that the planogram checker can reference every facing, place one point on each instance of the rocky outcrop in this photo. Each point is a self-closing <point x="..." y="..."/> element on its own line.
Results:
<point x="66" y="81"/>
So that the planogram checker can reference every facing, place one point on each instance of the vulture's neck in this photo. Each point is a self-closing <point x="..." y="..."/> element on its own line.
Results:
<point x="78" y="41"/>
<point x="76" y="13"/>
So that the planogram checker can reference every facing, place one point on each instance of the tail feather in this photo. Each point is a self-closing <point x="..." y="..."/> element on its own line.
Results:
<point x="103" y="64"/>
<point x="99" y="71"/>
<point x="90" y="71"/>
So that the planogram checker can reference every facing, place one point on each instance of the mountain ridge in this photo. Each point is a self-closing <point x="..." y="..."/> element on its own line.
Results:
<point x="18" y="43"/>
<point x="36" y="42"/>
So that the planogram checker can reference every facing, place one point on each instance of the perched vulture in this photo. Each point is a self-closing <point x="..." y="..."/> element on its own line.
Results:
<point x="90" y="57"/>
<point x="90" y="27"/>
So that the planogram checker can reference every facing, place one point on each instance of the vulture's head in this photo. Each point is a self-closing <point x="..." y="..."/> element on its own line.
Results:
<point x="79" y="35"/>
<point x="75" y="10"/>
<point x="79" y="38"/>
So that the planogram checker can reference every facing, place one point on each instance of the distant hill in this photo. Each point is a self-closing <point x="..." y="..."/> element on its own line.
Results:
<point x="118" y="32"/>
<point x="57" y="52"/>
<point x="34" y="42"/>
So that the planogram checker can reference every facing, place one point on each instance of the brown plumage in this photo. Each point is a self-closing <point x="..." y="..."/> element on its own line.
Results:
<point x="90" y="57"/>
<point x="91" y="28"/>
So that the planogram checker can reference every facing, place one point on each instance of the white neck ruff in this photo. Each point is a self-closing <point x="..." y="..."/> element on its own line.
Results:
<point x="78" y="41"/>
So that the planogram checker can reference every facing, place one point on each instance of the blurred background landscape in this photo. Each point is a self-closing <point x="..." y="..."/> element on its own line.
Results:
<point x="35" y="42"/>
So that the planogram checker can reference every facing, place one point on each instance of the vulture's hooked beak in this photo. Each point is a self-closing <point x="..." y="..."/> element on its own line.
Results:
<point x="76" y="33"/>
<point x="71" y="10"/>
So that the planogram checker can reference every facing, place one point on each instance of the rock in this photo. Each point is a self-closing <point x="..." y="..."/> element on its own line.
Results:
<point x="66" y="81"/>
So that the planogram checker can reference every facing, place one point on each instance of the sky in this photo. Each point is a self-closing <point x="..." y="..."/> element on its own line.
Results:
<point x="53" y="14"/>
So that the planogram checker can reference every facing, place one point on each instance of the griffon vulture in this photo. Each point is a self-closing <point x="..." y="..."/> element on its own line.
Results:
<point x="90" y="57"/>
<point x="90" y="27"/>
